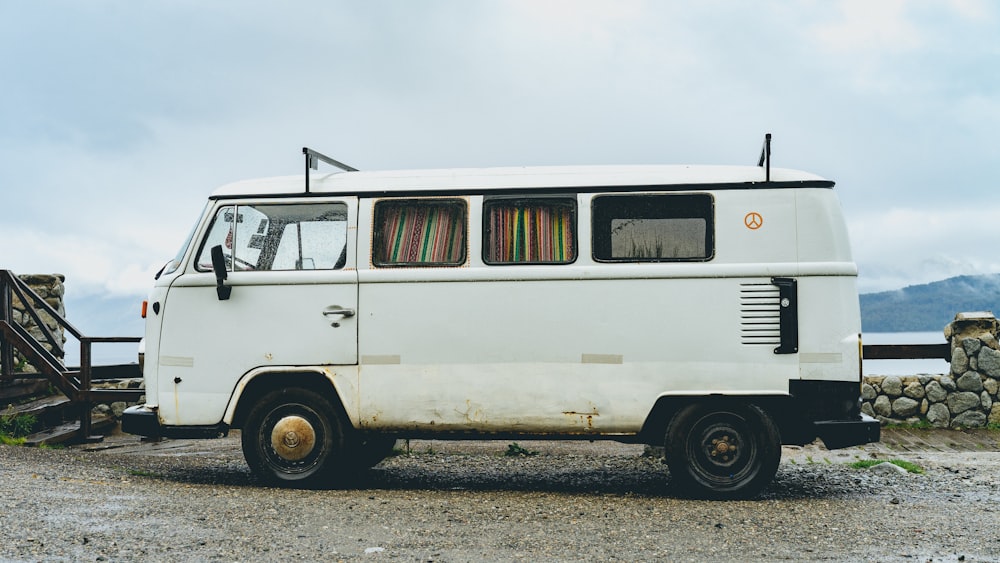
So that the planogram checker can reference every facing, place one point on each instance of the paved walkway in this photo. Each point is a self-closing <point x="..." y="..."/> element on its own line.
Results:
<point x="917" y="440"/>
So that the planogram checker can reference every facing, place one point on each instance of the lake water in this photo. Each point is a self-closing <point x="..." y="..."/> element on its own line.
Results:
<point x="904" y="367"/>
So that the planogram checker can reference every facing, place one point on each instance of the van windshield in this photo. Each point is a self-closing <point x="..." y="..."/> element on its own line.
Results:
<point x="309" y="236"/>
<point x="175" y="263"/>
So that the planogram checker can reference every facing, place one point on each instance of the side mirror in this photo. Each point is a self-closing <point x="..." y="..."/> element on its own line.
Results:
<point x="219" y="267"/>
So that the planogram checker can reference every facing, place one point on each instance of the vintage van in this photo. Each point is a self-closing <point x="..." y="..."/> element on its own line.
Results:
<point x="711" y="310"/>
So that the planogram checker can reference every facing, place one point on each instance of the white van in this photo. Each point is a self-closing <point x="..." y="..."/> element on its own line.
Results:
<point x="711" y="310"/>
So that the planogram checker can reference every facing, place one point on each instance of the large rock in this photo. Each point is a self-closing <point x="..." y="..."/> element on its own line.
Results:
<point x="994" y="414"/>
<point x="904" y="407"/>
<point x="959" y="360"/>
<point x="938" y="415"/>
<point x="991" y="386"/>
<point x="961" y="402"/>
<point x="989" y="341"/>
<point x="971" y="346"/>
<point x="886" y="468"/>
<point x="969" y="419"/>
<point x="989" y="362"/>
<point x="948" y="383"/>
<point x="986" y="401"/>
<point x="936" y="393"/>
<point x="970" y="381"/>
<point x="914" y="390"/>
<point x="883" y="407"/>
<point x="868" y="392"/>
<point x="892" y="386"/>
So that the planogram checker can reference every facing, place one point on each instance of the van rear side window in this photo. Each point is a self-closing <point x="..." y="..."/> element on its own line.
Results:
<point x="278" y="237"/>
<point x="653" y="228"/>
<point x="529" y="231"/>
<point x="420" y="232"/>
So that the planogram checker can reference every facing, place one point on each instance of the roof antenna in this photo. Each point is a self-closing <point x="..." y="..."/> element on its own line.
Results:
<point x="765" y="157"/>
<point x="312" y="163"/>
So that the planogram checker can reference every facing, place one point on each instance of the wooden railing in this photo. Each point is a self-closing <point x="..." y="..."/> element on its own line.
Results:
<point x="906" y="351"/>
<point x="75" y="383"/>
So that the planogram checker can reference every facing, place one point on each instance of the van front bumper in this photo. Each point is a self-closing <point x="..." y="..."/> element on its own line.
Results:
<point x="838" y="434"/>
<point x="144" y="421"/>
<point x="141" y="420"/>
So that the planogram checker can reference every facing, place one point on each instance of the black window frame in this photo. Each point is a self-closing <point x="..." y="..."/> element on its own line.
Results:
<point x="605" y="208"/>
<point x="570" y="200"/>
<point x="378" y="220"/>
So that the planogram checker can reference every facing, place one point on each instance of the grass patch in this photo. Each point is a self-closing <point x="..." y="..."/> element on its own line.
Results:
<point x="516" y="450"/>
<point x="141" y="473"/>
<point x="11" y="441"/>
<point x="14" y="428"/>
<point x="907" y="465"/>
<point x="921" y="424"/>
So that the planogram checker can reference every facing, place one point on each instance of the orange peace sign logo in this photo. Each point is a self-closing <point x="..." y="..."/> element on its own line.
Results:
<point x="753" y="220"/>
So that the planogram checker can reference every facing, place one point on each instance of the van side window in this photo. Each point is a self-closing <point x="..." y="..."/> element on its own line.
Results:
<point x="309" y="236"/>
<point x="653" y="228"/>
<point x="420" y="232"/>
<point x="529" y="230"/>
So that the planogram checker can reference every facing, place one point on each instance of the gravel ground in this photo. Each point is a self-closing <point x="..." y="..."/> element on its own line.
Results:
<point x="467" y="501"/>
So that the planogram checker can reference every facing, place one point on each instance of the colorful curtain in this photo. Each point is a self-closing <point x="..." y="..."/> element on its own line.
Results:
<point x="425" y="233"/>
<point x="530" y="232"/>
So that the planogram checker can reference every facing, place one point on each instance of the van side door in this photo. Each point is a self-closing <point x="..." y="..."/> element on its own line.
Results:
<point x="291" y="269"/>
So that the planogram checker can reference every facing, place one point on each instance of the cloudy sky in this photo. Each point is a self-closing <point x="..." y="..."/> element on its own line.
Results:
<point x="118" y="118"/>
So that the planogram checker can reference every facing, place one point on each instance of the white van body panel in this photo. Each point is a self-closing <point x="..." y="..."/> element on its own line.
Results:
<point x="581" y="348"/>
<point x="518" y="359"/>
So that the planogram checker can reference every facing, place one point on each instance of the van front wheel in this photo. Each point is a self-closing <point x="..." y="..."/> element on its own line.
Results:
<point x="293" y="437"/>
<point x="722" y="451"/>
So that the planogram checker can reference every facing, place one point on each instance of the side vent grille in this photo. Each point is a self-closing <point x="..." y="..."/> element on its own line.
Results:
<point x="760" y="314"/>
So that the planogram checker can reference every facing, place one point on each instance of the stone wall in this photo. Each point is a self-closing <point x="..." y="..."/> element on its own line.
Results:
<point x="964" y="398"/>
<point x="50" y="288"/>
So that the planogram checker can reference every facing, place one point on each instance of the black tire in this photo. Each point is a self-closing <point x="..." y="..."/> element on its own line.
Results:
<point x="722" y="451"/>
<point x="293" y="437"/>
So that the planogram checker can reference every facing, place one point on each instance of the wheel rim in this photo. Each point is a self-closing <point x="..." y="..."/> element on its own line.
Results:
<point x="291" y="439"/>
<point x="722" y="450"/>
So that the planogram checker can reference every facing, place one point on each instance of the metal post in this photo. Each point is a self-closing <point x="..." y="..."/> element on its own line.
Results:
<point x="6" y="315"/>
<point x="765" y="157"/>
<point x="85" y="406"/>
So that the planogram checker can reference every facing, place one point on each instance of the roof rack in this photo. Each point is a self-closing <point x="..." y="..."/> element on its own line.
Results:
<point x="765" y="157"/>
<point x="312" y="163"/>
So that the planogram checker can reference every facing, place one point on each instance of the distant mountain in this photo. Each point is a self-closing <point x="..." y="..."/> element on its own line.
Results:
<point x="929" y="307"/>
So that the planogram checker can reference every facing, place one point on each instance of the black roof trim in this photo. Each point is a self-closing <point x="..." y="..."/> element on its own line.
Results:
<point x="431" y="192"/>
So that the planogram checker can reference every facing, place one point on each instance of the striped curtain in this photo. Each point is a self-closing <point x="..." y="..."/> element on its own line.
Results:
<point x="530" y="232"/>
<point x="421" y="233"/>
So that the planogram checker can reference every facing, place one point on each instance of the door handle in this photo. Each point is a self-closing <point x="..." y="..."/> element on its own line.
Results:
<point x="344" y="313"/>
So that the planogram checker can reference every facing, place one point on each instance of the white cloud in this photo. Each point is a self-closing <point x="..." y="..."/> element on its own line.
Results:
<point x="909" y="246"/>
<point x="865" y="26"/>
<point x="119" y="123"/>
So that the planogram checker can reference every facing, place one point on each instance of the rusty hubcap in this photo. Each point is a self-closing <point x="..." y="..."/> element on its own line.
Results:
<point x="293" y="438"/>
<point x="722" y="449"/>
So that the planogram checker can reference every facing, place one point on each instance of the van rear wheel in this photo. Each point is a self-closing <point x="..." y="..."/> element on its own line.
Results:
<point x="293" y="437"/>
<point x="722" y="451"/>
